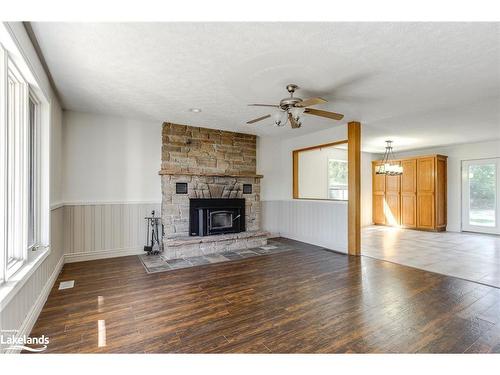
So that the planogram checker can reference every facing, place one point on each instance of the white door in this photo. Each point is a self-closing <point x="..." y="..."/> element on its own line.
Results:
<point x="481" y="195"/>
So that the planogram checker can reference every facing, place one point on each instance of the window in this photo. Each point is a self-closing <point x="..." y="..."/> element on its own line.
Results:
<point x="337" y="179"/>
<point x="15" y="148"/>
<point x="480" y="195"/>
<point x="320" y="172"/>
<point x="20" y="158"/>
<point x="33" y="157"/>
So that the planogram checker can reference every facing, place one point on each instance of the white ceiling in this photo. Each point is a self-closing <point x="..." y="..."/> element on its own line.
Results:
<point x="422" y="84"/>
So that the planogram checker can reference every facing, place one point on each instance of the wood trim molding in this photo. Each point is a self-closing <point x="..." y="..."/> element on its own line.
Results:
<point x="321" y="146"/>
<point x="354" y="188"/>
<point x="415" y="157"/>
<point x="295" y="158"/>
<point x="295" y="163"/>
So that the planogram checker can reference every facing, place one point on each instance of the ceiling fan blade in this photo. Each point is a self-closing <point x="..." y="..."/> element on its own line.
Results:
<point x="310" y="101"/>
<point x="264" y="105"/>
<point x="293" y="122"/>
<point x="318" y="112"/>
<point x="258" y="119"/>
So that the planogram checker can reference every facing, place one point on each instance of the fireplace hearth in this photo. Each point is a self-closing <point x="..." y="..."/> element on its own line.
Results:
<point x="214" y="216"/>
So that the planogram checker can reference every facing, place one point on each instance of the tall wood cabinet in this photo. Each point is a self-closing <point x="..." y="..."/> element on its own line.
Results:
<point x="416" y="199"/>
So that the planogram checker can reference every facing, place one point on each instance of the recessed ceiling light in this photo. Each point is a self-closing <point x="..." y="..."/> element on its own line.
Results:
<point x="195" y="110"/>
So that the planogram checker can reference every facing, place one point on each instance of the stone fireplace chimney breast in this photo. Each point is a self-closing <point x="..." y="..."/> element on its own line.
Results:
<point x="214" y="164"/>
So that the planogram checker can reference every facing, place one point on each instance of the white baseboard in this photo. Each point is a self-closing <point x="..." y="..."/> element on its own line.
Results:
<point x="33" y="314"/>
<point x="102" y="254"/>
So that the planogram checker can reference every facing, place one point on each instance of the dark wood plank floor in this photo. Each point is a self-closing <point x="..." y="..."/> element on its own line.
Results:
<point x="304" y="300"/>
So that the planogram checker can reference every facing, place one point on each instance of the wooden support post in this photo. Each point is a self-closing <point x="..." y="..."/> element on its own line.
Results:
<point x="354" y="188"/>
<point x="295" y="174"/>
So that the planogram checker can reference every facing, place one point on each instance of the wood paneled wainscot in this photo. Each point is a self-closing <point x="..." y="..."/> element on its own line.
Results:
<point x="416" y="199"/>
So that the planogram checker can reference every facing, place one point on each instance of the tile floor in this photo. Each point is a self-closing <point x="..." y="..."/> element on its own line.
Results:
<point x="157" y="263"/>
<point x="469" y="256"/>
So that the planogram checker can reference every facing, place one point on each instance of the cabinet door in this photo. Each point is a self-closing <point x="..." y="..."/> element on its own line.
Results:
<point x="425" y="193"/>
<point x="409" y="176"/>
<point x="408" y="210"/>
<point x="392" y="200"/>
<point x="441" y="191"/>
<point x="392" y="184"/>
<point x="425" y="210"/>
<point x="378" y="214"/>
<point x="392" y="209"/>
<point x="425" y="175"/>
<point x="378" y="182"/>
<point x="378" y="186"/>
<point x="409" y="193"/>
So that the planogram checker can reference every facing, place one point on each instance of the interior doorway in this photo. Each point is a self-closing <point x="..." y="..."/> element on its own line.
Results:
<point x="480" y="196"/>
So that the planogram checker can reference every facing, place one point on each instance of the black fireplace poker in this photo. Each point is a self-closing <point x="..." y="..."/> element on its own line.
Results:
<point x="154" y="244"/>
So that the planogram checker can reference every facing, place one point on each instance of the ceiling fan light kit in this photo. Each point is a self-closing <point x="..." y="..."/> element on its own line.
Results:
<point x="290" y="110"/>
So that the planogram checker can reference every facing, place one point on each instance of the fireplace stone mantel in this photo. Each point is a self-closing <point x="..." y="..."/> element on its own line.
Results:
<point x="170" y="173"/>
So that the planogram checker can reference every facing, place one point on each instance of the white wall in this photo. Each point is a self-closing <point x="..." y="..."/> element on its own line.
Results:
<point x="326" y="220"/>
<point x="110" y="159"/>
<point x="456" y="154"/>
<point x="313" y="171"/>
<point x="56" y="156"/>
<point x="274" y="161"/>
<point x="321" y="223"/>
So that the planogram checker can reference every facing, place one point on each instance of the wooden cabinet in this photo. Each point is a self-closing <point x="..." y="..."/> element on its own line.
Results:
<point x="416" y="199"/>
<point x="409" y="194"/>
<point x="378" y="198"/>
<point x="393" y="200"/>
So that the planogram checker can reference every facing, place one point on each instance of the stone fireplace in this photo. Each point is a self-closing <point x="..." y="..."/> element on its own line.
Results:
<point x="210" y="191"/>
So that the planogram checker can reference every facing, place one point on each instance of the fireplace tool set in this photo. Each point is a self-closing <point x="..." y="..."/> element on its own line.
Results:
<point x="154" y="237"/>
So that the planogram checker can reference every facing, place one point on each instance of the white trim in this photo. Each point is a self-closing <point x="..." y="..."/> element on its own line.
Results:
<point x="55" y="206"/>
<point x="28" y="63"/>
<point x="14" y="284"/>
<point x="96" y="203"/>
<point x="36" y="309"/>
<point x="465" y="196"/>
<point x="102" y="254"/>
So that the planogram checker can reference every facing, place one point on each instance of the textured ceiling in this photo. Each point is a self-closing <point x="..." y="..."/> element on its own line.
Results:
<point x="423" y="84"/>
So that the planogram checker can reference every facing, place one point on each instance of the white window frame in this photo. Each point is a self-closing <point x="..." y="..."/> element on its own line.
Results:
<point x="3" y="163"/>
<point x="17" y="162"/>
<point x="466" y="226"/>
<point x="38" y="167"/>
<point x="21" y="260"/>
<point x="328" y="187"/>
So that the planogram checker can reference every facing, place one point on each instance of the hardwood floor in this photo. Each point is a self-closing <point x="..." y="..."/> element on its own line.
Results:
<point x="305" y="300"/>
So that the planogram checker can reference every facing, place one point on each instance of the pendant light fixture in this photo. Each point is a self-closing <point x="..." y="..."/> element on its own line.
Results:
<point x="389" y="166"/>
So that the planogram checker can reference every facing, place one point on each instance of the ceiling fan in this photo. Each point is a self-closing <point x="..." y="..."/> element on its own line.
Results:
<point x="290" y="109"/>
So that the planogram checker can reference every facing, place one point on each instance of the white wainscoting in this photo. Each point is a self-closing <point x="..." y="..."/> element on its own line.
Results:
<point x="322" y="223"/>
<point x="23" y="309"/>
<point x="95" y="231"/>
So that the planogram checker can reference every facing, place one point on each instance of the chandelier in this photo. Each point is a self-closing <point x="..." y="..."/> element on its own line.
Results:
<point x="389" y="166"/>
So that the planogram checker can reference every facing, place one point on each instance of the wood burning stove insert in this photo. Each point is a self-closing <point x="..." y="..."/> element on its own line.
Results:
<point x="216" y="216"/>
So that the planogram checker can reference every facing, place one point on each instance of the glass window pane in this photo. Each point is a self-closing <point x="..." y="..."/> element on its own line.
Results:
<point x="482" y="195"/>
<point x="322" y="173"/>
<point x="337" y="179"/>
